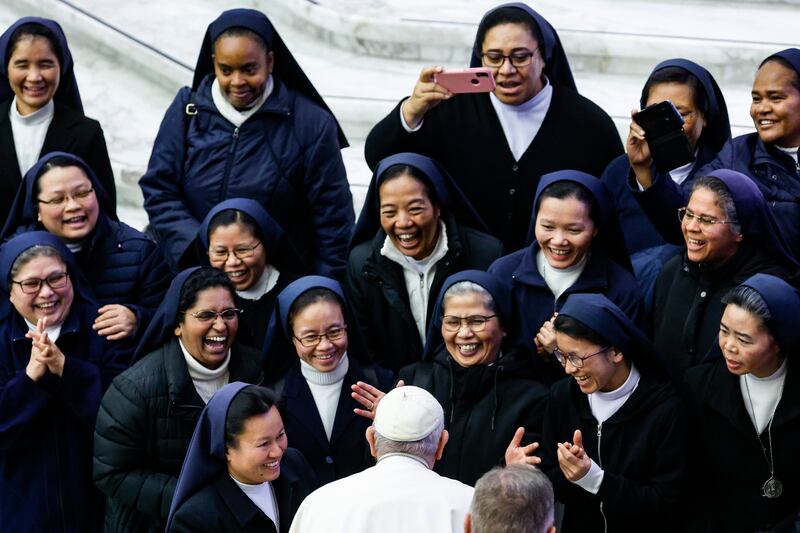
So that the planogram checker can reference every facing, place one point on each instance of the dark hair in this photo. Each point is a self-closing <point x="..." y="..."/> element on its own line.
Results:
<point x="784" y="63"/>
<point x="751" y="301"/>
<point x="59" y="161"/>
<point x="312" y="296"/>
<point x="33" y="29"/>
<point x="396" y="171"/>
<point x="678" y="75"/>
<point x="578" y="330"/>
<point x="39" y="250"/>
<point x="724" y="198"/>
<point x="239" y="31"/>
<point x="564" y="189"/>
<point x="249" y="402"/>
<point x="199" y="280"/>
<point x="227" y="217"/>
<point x="508" y="15"/>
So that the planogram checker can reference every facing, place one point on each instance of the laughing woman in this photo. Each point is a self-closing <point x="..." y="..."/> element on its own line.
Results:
<point x="53" y="371"/>
<point x="746" y="409"/>
<point x="40" y="107"/>
<point x="148" y="415"/>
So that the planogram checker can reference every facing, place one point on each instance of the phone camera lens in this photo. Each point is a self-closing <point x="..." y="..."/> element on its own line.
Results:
<point x="474" y="81"/>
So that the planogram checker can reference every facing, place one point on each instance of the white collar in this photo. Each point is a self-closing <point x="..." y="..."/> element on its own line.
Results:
<point x="405" y="457"/>
<point x="233" y="115"/>
<point x="198" y="372"/>
<point x="53" y="332"/>
<point x="540" y="98"/>
<point x="266" y="282"/>
<point x="41" y="115"/>
<point x="314" y="376"/>
<point x="626" y="389"/>
<point x="390" y="251"/>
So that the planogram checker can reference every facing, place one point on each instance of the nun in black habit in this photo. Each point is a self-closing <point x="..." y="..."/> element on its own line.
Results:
<point x="392" y="283"/>
<point x="43" y="125"/>
<point x="498" y="145"/>
<point x="251" y="126"/>
<point x="241" y="239"/>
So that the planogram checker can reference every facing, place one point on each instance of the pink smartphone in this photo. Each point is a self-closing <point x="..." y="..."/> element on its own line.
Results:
<point x="468" y="80"/>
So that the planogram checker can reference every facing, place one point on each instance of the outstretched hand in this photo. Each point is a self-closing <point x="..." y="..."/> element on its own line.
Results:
<point x="368" y="396"/>
<point x="521" y="455"/>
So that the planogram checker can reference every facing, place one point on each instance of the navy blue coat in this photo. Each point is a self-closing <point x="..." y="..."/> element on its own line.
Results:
<point x="46" y="427"/>
<point x="535" y="303"/>
<point x="347" y="452"/>
<point x="286" y="156"/>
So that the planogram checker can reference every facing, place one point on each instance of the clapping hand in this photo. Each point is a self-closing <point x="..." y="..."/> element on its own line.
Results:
<point x="572" y="458"/>
<point x="45" y="355"/>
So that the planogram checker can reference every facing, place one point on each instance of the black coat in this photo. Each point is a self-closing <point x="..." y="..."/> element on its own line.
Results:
<point x="254" y="320"/>
<point x="731" y="467"/>
<point x="144" y="426"/>
<point x="644" y="458"/>
<point x="465" y="136"/>
<point x="70" y="131"/>
<point x="347" y="451"/>
<point x="377" y="291"/>
<point x="483" y="407"/>
<point x="223" y="507"/>
<point x="688" y="304"/>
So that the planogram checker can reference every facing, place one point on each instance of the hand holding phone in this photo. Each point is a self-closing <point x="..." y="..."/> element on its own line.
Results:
<point x="663" y="126"/>
<point x="468" y="80"/>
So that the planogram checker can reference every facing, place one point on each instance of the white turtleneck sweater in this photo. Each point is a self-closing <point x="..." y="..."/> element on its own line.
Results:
<point x="29" y="132"/>
<point x="206" y="381"/>
<point x="791" y="152"/>
<point x="418" y="275"/>
<point x="603" y="406"/>
<point x="765" y="393"/>
<point x="263" y="496"/>
<point x="266" y="282"/>
<point x="233" y="115"/>
<point x="326" y="387"/>
<point x="559" y="280"/>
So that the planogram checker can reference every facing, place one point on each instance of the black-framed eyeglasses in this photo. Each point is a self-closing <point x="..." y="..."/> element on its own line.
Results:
<point x="78" y="196"/>
<point x="686" y="215"/>
<point x="241" y="252"/>
<point x="454" y="324"/>
<point x="34" y="285"/>
<point x="311" y="340"/>
<point x="576" y="360"/>
<point x="207" y="315"/>
<point x="518" y="59"/>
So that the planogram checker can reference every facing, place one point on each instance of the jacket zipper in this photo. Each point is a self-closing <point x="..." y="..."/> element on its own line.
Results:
<point x="229" y="163"/>
<point x="600" y="464"/>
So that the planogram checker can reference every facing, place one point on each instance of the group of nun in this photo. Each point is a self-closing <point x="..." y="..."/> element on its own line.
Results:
<point x="624" y="329"/>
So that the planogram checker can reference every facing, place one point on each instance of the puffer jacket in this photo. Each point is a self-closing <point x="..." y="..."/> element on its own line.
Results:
<point x="144" y="426"/>
<point x="286" y="156"/>
<point x="377" y="291"/>
<point x="483" y="407"/>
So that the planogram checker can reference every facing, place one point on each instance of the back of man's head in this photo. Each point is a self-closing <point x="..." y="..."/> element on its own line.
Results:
<point x="409" y="421"/>
<point x="515" y="499"/>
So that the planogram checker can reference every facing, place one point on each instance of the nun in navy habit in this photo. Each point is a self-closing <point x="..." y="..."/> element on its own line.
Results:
<point x="121" y="265"/>
<point x="149" y="412"/>
<point x="268" y="136"/>
<point x="315" y="396"/>
<point x="688" y="293"/>
<point x="746" y="412"/>
<point x="393" y="291"/>
<point x="209" y="495"/>
<point x="498" y="145"/>
<point x="596" y="261"/>
<point x="56" y="125"/>
<point x="259" y="277"/>
<point x="633" y="439"/>
<point x="649" y="251"/>
<point x="49" y="391"/>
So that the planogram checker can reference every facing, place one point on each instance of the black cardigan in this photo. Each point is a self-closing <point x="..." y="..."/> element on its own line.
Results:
<point x="465" y="136"/>
<point x="70" y="131"/>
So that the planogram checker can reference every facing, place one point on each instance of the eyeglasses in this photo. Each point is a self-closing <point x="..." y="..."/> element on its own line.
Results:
<point x="34" y="285"/>
<point x="310" y="341"/>
<point x="208" y="315"/>
<point x="241" y="252"/>
<point x="518" y="59"/>
<point x="575" y="360"/>
<point x="78" y="196"/>
<point x="453" y="323"/>
<point x="685" y="215"/>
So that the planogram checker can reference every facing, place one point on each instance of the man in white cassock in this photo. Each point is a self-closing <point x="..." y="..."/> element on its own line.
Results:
<point x="401" y="492"/>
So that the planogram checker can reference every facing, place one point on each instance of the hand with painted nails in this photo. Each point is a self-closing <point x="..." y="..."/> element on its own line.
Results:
<point x="426" y="95"/>
<point x="572" y="458"/>
<point x="368" y="396"/>
<point x="516" y="454"/>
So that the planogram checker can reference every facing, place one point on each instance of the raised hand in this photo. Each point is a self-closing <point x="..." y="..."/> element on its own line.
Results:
<point x="639" y="153"/>
<point x="368" y="396"/>
<point x="521" y="455"/>
<point x="572" y="458"/>
<point x="545" y="340"/>
<point x="44" y="351"/>
<point x="425" y="96"/>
